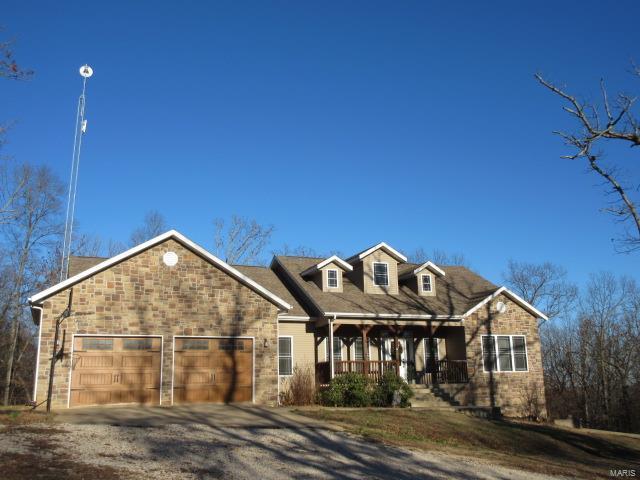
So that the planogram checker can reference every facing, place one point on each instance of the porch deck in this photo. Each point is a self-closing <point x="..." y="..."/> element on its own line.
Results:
<point x="436" y="372"/>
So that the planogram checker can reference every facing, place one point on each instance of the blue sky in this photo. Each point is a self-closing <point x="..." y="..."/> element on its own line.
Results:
<point x="341" y="123"/>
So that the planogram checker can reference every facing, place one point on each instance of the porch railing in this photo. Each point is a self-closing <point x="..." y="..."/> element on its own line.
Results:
<point x="371" y="368"/>
<point x="444" y="371"/>
<point x="440" y="371"/>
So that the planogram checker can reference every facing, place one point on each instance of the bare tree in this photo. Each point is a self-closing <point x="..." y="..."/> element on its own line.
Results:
<point x="9" y="68"/>
<point x="241" y="240"/>
<point x="439" y="257"/>
<point x="544" y="285"/>
<point x="37" y="222"/>
<point x="154" y="224"/>
<point x="610" y="121"/>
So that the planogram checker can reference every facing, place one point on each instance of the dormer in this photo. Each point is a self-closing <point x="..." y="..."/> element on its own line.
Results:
<point x="375" y="270"/>
<point x="328" y="273"/>
<point x="423" y="279"/>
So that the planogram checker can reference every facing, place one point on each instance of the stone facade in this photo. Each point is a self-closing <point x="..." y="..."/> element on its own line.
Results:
<point x="143" y="296"/>
<point x="511" y="391"/>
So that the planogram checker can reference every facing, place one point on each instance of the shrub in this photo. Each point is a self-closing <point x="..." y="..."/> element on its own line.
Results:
<point x="348" y="390"/>
<point x="387" y="386"/>
<point x="300" y="388"/>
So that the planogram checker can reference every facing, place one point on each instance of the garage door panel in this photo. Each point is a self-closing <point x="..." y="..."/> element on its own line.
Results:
<point x="213" y="370"/>
<point x="115" y="370"/>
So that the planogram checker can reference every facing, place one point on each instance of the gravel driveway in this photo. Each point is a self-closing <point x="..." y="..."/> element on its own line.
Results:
<point x="197" y="451"/>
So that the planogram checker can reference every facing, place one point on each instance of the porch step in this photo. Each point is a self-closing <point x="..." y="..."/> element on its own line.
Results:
<point x="429" y="396"/>
<point x="424" y="397"/>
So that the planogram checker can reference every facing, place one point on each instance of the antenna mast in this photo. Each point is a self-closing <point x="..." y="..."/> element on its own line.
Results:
<point x="81" y="127"/>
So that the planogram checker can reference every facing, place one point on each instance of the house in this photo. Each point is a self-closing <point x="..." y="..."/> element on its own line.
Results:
<point x="167" y="322"/>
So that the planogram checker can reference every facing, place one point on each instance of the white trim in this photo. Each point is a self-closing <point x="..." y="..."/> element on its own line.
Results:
<point x="337" y="278"/>
<point x="373" y="273"/>
<point x="394" y="315"/>
<point x="332" y="259"/>
<point x="35" y="380"/>
<point x="428" y="275"/>
<point x="513" y="358"/>
<point x="291" y="374"/>
<point x="293" y="318"/>
<point x="245" y="337"/>
<point x="171" y="234"/>
<point x="118" y="335"/>
<point x="431" y="266"/>
<point x="391" y="251"/>
<point x="523" y="303"/>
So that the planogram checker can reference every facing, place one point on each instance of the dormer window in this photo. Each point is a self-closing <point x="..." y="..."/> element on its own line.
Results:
<point x="426" y="283"/>
<point x="380" y="274"/>
<point x="332" y="278"/>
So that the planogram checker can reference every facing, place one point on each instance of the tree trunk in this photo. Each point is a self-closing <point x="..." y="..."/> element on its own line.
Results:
<point x="9" y="364"/>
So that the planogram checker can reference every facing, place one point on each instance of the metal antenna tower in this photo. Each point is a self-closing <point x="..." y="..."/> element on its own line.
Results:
<point x="81" y="127"/>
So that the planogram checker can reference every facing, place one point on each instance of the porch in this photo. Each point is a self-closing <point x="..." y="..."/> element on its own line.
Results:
<point x="421" y="354"/>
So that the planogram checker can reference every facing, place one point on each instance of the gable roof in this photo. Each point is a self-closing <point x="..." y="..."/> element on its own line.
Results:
<point x="332" y="259"/>
<point x="391" y="251"/>
<point x="185" y="242"/>
<point x="428" y="265"/>
<point x="457" y="292"/>
<point x="517" y="299"/>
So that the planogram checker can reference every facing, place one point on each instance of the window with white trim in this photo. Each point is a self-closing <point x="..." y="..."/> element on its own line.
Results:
<point x="426" y="283"/>
<point x="332" y="278"/>
<point x="380" y="274"/>
<point x="337" y="349"/>
<point x="358" y="350"/>
<point x="285" y="356"/>
<point x="504" y="353"/>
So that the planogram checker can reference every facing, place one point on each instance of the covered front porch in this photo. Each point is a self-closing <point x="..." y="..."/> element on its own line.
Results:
<point x="421" y="353"/>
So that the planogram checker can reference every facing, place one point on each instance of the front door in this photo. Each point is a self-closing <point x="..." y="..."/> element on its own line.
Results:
<point x="402" y="354"/>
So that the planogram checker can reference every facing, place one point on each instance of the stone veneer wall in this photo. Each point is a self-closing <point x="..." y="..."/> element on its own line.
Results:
<point x="142" y="296"/>
<point x="508" y="390"/>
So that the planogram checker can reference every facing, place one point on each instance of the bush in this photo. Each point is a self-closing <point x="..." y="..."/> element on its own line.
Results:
<point x="389" y="384"/>
<point x="348" y="390"/>
<point x="300" y="388"/>
<point x="356" y="390"/>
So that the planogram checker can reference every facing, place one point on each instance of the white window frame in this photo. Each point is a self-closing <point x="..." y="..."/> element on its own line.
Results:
<point x="337" y="285"/>
<point x="513" y="358"/>
<point x="422" y="283"/>
<point x="336" y="339"/>
<point x="373" y="274"/>
<point x="290" y="337"/>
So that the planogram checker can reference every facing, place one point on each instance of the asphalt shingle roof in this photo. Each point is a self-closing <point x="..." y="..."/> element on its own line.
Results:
<point x="458" y="291"/>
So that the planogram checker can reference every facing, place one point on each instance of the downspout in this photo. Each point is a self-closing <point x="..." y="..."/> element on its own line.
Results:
<point x="331" y="362"/>
<point x="35" y="380"/>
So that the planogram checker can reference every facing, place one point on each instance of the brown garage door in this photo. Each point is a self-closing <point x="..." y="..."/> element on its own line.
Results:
<point x="213" y="370"/>
<point x="115" y="370"/>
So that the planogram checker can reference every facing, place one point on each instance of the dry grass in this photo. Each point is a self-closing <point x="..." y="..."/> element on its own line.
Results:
<point x="534" y="447"/>
<point x="23" y="416"/>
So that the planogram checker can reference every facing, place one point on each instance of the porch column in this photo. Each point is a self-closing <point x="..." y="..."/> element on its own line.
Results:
<point x="364" y="330"/>
<point x="330" y="340"/>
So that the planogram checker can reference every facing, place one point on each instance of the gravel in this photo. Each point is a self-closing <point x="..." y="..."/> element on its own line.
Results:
<point x="195" y="451"/>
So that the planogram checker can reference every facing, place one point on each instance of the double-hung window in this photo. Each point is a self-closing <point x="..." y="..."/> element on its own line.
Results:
<point x="332" y="278"/>
<point x="285" y="356"/>
<point x="337" y="349"/>
<point x="358" y="350"/>
<point x="426" y="283"/>
<point x="380" y="274"/>
<point x="504" y="353"/>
